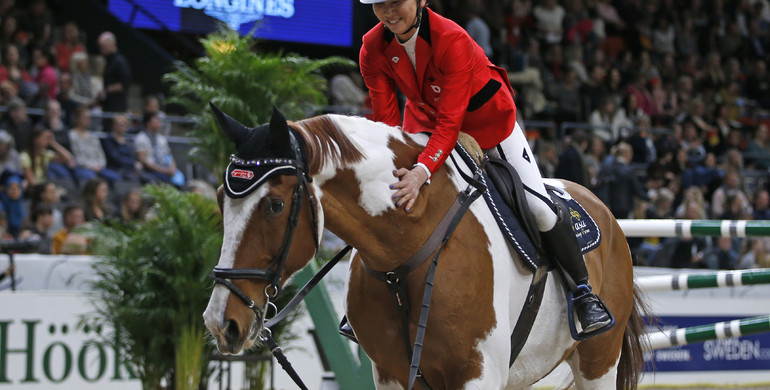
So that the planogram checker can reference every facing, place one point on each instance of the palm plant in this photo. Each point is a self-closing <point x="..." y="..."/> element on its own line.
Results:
<point x="246" y="84"/>
<point x="151" y="285"/>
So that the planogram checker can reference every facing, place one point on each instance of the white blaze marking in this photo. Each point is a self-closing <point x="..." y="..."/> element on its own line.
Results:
<point x="236" y="214"/>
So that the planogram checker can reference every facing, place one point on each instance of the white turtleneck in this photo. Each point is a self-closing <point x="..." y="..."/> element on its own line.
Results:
<point x="410" y="46"/>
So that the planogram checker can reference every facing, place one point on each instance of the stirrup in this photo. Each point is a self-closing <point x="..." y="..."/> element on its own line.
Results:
<point x="346" y="330"/>
<point x="584" y="290"/>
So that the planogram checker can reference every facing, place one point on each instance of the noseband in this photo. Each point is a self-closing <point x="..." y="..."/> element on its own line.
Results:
<point x="271" y="274"/>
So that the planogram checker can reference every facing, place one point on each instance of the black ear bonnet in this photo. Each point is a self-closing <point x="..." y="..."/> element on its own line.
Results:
<point x="261" y="152"/>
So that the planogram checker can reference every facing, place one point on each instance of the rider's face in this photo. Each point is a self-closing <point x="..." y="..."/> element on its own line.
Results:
<point x="398" y="16"/>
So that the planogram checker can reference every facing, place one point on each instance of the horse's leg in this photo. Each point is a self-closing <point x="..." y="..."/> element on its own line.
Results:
<point x="605" y="381"/>
<point x="595" y="363"/>
<point x="381" y="383"/>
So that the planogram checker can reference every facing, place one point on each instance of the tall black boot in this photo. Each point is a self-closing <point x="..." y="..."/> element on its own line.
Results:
<point x="562" y="246"/>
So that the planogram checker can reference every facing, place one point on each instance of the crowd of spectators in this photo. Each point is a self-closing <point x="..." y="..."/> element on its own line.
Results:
<point x="63" y="168"/>
<point x="673" y="98"/>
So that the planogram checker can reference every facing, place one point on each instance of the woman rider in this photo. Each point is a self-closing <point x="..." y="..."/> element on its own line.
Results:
<point x="451" y="86"/>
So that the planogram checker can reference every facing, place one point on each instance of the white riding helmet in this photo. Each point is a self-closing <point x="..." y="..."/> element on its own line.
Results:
<point x="372" y="1"/>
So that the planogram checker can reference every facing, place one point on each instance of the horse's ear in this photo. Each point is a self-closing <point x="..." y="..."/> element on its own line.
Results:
<point x="279" y="131"/>
<point x="235" y="130"/>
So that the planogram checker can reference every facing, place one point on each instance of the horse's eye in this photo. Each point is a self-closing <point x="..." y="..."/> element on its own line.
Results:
<point x="274" y="206"/>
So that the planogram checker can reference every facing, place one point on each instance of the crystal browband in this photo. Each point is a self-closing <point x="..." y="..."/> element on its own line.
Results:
<point x="265" y="161"/>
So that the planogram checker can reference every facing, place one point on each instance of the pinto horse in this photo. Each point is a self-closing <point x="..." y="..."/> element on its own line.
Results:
<point x="290" y="180"/>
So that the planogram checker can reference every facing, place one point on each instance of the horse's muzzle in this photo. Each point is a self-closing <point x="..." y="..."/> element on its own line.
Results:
<point x="231" y="338"/>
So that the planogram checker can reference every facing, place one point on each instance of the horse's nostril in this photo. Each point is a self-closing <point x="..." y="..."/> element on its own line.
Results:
<point x="231" y="331"/>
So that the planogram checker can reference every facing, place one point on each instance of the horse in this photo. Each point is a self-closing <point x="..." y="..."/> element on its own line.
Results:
<point x="288" y="181"/>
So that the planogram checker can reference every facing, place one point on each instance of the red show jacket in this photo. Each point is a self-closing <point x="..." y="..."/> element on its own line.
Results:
<point x="455" y="87"/>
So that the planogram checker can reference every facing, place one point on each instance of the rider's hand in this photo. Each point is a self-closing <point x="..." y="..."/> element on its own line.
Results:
<point x="409" y="186"/>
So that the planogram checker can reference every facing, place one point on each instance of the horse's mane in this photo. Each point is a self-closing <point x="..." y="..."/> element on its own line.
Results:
<point x="325" y="142"/>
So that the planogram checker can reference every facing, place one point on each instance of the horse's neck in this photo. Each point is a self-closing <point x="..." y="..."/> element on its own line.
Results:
<point x="366" y="217"/>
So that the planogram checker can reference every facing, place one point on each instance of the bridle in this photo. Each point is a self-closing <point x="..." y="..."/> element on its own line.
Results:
<point x="272" y="273"/>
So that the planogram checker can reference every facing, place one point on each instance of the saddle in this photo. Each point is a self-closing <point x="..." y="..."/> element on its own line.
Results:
<point x="506" y="199"/>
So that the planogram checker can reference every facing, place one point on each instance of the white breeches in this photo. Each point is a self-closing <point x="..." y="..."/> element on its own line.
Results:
<point x="516" y="151"/>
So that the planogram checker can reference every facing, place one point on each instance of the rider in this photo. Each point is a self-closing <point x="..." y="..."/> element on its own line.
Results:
<point x="451" y="86"/>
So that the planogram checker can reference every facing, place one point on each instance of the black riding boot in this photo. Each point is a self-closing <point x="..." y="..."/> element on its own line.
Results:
<point x="346" y="330"/>
<point x="562" y="246"/>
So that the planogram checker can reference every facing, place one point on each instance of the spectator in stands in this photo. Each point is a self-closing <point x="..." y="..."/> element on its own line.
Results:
<point x="13" y="204"/>
<point x="17" y="123"/>
<point x="638" y="89"/>
<point x="87" y="151"/>
<point x="132" y="207"/>
<point x="348" y="94"/>
<point x="69" y="44"/>
<point x="758" y="83"/>
<point x="152" y="104"/>
<point x="755" y="44"/>
<point x="716" y="137"/>
<point x="660" y="207"/>
<point x="684" y="252"/>
<point x="549" y="16"/>
<point x="712" y="75"/>
<point x="628" y="115"/>
<point x="593" y="158"/>
<point x="692" y="142"/>
<point x="35" y="20"/>
<point x="41" y="161"/>
<point x="83" y="89"/>
<point x="153" y="152"/>
<point x="202" y="188"/>
<point x="572" y="164"/>
<point x="705" y="175"/>
<point x="761" y="204"/>
<point x="119" y="152"/>
<point x="116" y="76"/>
<point x="12" y="67"/>
<point x="692" y="195"/>
<point x="566" y="94"/>
<point x="735" y="209"/>
<point x="615" y="85"/>
<point x="663" y="36"/>
<point x="40" y="228"/>
<point x="65" y="241"/>
<point x="68" y="104"/>
<point x="613" y="23"/>
<point x="595" y="90"/>
<point x="53" y="120"/>
<point x="547" y="159"/>
<point x="723" y="255"/>
<point x="606" y="121"/>
<point x="8" y="92"/>
<point x="756" y="255"/>
<point x="10" y="163"/>
<point x="477" y="28"/>
<point x="757" y="153"/>
<point x="730" y="186"/>
<point x="95" y="197"/>
<point x="48" y="195"/>
<point x="618" y="184"/>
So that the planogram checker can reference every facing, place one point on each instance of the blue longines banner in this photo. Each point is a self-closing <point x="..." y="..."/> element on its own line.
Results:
<point x="324" y="22"/>
<point x="738" y="353"/>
